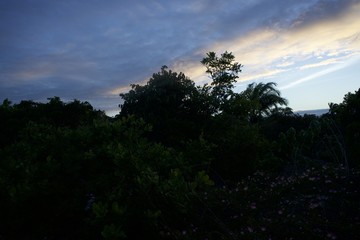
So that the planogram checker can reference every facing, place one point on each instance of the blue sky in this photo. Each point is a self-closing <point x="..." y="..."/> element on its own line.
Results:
<point x="92" y="50"/>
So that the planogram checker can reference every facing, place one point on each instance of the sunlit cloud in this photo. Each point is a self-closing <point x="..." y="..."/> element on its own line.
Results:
<point x="267" y="74"/>
<point x="320" y="64"/>
<point x="90" y="50"/>
<point x="268" y="52"/>
<point x="119" y="90"/>
<point x="285" y="64"/>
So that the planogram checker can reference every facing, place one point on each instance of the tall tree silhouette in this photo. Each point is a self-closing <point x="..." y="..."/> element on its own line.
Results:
<point x="224" y="71"/>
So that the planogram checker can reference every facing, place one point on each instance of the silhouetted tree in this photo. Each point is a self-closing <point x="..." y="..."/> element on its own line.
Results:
<point x="264" y="99"/>
<point x="224" y="71"/>
<point x="347" y="117"/>
<point x="180" y="162"/>
<point x="170" y="102"/>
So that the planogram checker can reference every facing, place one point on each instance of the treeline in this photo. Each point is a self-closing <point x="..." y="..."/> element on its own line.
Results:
<point x="181" y="161"/>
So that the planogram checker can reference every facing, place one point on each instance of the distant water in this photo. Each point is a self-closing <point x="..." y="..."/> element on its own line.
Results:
<point x="317" y="112"/>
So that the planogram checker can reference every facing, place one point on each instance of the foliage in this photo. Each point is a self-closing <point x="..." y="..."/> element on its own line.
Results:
<point x="180" y="161"/>
<point x="168" y="99"/>
<point x="264" y="99"/>
<point x="318" y="203"/>
<point x="223" y="72"/>
<point x="347" y="122"/>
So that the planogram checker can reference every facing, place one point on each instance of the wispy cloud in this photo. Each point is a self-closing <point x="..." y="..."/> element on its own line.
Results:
<point x="119" y="90"/>
<point x="320" y="64"/>
<point x="311" y="77"/>
<point x="95" y="50"/>
<point x="265" y="74"/>
<point x="321" y="73"/>
<point x="268" y="52"/>
<point x="285" y="64"/>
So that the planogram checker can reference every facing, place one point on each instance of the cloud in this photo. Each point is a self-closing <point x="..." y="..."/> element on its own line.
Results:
<point x="285" y="64"/>
<point x="311" y="77"/>
<point x="94" y="50"/>
<point x="352" y="59"/>
<point x="320" y="64"/>
<point x="267" y="52"/>
<point x="119" y="90"/>
<point x="265" y="74"/>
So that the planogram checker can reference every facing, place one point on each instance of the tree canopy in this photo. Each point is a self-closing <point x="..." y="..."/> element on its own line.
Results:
<point x="264" y="98"/>
<point x="180" y="161"/>
<point x="223" y="71"/>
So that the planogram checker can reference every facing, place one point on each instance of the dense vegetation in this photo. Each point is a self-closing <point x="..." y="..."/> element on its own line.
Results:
<point x="181" y="161"/>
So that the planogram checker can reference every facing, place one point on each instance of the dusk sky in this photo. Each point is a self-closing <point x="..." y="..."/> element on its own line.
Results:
<point x="92" y="50"/>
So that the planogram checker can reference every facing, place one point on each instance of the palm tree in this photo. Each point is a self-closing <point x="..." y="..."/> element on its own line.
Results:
<point x="264" y="98"/>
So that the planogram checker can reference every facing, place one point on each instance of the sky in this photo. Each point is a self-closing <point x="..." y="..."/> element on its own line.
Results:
<point x="92" y="50"/>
